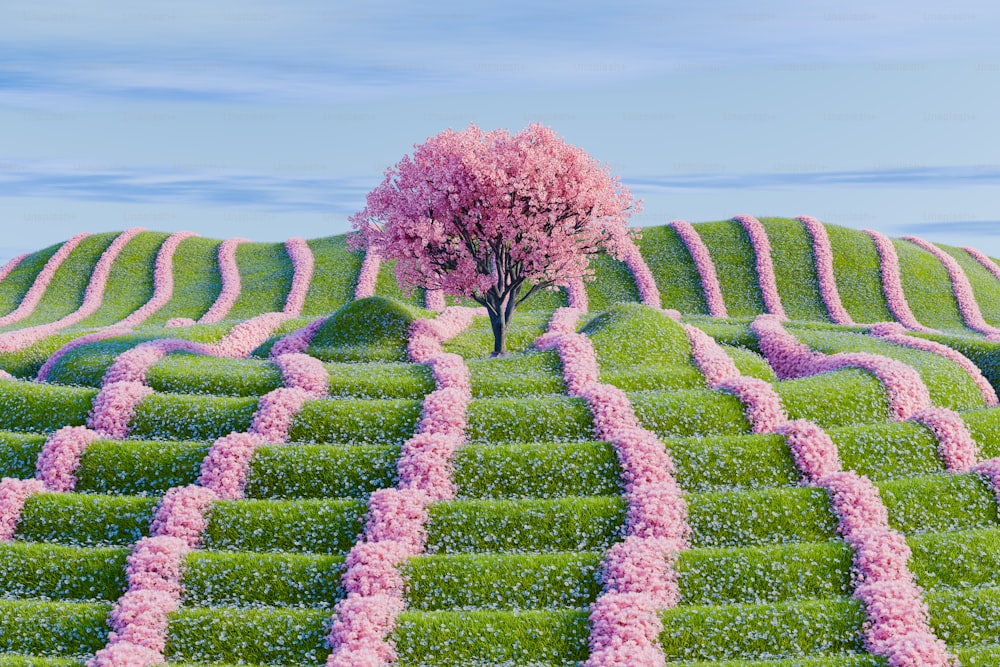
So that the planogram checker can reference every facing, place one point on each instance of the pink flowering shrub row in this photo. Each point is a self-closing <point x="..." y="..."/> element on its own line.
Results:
<point x="303" y="263"/>
<point x="984" y="259"/>
<point x="896" y="333"/>
<point x="892" y="282"/>
<point x="765" y="266"/>
<point x="639" y="577"/>
<point x="823" y="253"/>
<point x="897" y="625"/>
<point x="961" y="287"/>
<point x="790" y="358"/>
<point x="41" y="283"/>
<point x="395" y="525"/>
<point x="649" y="293"/>
<point x="163" y="291"/>
<point x="576" y="295"/>
<point x="368" y="275"/>
<point x="92" y="298"/>
<point x="434" y="299"/>
<point x="13" y="493"/>
<point x="231" y="286"/>
<point x="706" y="267"/>
<point x="10" y="266"/>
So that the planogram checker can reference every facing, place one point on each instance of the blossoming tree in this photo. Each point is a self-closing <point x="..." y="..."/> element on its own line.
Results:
<point x="495" y="217"/>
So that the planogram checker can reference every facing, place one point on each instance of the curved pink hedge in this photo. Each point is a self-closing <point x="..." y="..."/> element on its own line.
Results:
<point x="304" y="263"/>
<point x="92" y="298"/>
<point x="983" y="259"/>
<point x="41" y="283"/>
<point x="639" y="577"/>
<point x="368" y="276"/>
<point x="231" y="286"/>
<point x="955" y="444"/>
<point x="649" y="293"/>
<point x="892" y="282"/>
<point x="823" y="254"/>
<point x="10" y="266"/>
<point x="961" y="287"/>
<point x="13" y="494"/>
<point x="706" y="267"/>
<point x="765" y="266"/>
<point x="434" y="299"/>
<point x="163" y="291"/>
<point x="896" y="333"/>
<point x="905" y="388"/>
<point x="394" y="530"/>
<point x="576" y="295"/>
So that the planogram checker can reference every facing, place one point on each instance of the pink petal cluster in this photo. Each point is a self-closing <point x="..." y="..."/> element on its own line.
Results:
<point x="231" y="286"/>
<point x="706" y="267"/>
<point x="276" y="411"/>
<point x="434" y="300"/>
<point x="576" y="295"/>
<point x="896" y="333"/>
<point x="892" y="282"/>
<point x="92" y="298"/>
<point x="989" y="469"/>
<point x="41" y="283"/>
<point x="60" y="457"/>
<point x="823" y="254"/>
<point x="712" y="360"/>
<point x="897" y="625"/>
<point x="183" y="513"/>
<point x="303" y="372"/>
<point x="955" y="444"/>
<point x="639" y="579"/>
<point x="175" y="322"/>
<point x="368" y="277"/>
<point x="303" y="263"/>
<point x="649" y="293"/>
<point x="791" y="359"/>
<point x="225" y="468"/>
<point x="762" y="404"/>
<point x="984" y="259"/>
<point x="961" y="287"/>
<point x="114" y="406"/>
<point x="299" y="340"/>
<point x="13" y="494"/>
<point x="765" y="267"/>
<point x="395" y="525"/>
<point x="10" y="266"/>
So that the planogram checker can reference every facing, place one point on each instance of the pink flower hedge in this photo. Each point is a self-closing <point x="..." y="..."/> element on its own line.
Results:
<point x="434" y="300"/>
<point x="163" y="291"/>
<point x="92" y="298"/>
<point x="955" y="444"/>
<point x="706" y="267"/>
<point x="576" y="295"/>
<point x="304" y="263"/>
<point x="10" y="266"/>
<point x="961" y="287"/>
<point x="649" y="293"/>
<point x="395" y="525"/>
<point x="225" y="468"/>
<point x="892" y="282"/>
<point x="639" y="579"/>
<point x="765" y="266"/>
<point x="13" y="494"/>
<point x="60" y="457"/>
<point x="41" y="283"/>
<point x="895" y="333"/>
<point x="823" y="254"/>
<point x="905" y="388"/>
<point x="231" y="286"/>
<point x="114" y="406"/>
<point x="299" y="340"/>
<point x="368" y="276"/>
<point x="984" y="259"/>
<point x="897" y="625"/>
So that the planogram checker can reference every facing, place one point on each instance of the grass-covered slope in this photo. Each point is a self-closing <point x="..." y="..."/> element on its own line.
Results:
<point x="513" y="561"/>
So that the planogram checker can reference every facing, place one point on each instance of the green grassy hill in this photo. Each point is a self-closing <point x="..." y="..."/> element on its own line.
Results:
<point x="512" y="563"/>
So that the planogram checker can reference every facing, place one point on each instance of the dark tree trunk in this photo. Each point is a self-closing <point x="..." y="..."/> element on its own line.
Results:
<point x="499" y="323"/>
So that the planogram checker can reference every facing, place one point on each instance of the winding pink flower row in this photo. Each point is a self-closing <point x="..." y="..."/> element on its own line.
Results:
<point x="896" y="333"/>
<point x="823" y="254"/>
<point x="984" y="259"/>
<point x="41" y="283"/>
<point x="163" y="291"/>
<point x="962" y="289"/>
<point x="10" y="266"/>
<point x="576" y="295"/>
<point x="139" y="619"/>
<point x="765" y="266"/>
<point x="229" y="271"/>
<point x="434" y="300"/>
<point x="92" y="298"/>
<point x="368" y="276"/>
<point x="649" y="293"/>
<point x="395" y="526"/>
<point x="897" y="625"/>
<point x="892" y="282"/>
<point x="706" y="267"/>
<point x="639" y="577"/>
<point x="304" y="264"/>
<point x="790" y="358"/>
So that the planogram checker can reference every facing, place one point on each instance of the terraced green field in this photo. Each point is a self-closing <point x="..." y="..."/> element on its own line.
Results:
<point x="511" y="559"/>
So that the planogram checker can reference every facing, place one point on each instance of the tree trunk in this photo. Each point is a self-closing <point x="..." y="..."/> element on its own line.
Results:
<point x="499" y="323"/>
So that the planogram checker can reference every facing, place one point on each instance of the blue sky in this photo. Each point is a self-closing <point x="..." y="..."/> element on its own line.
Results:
<point x="267" y="120"/>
